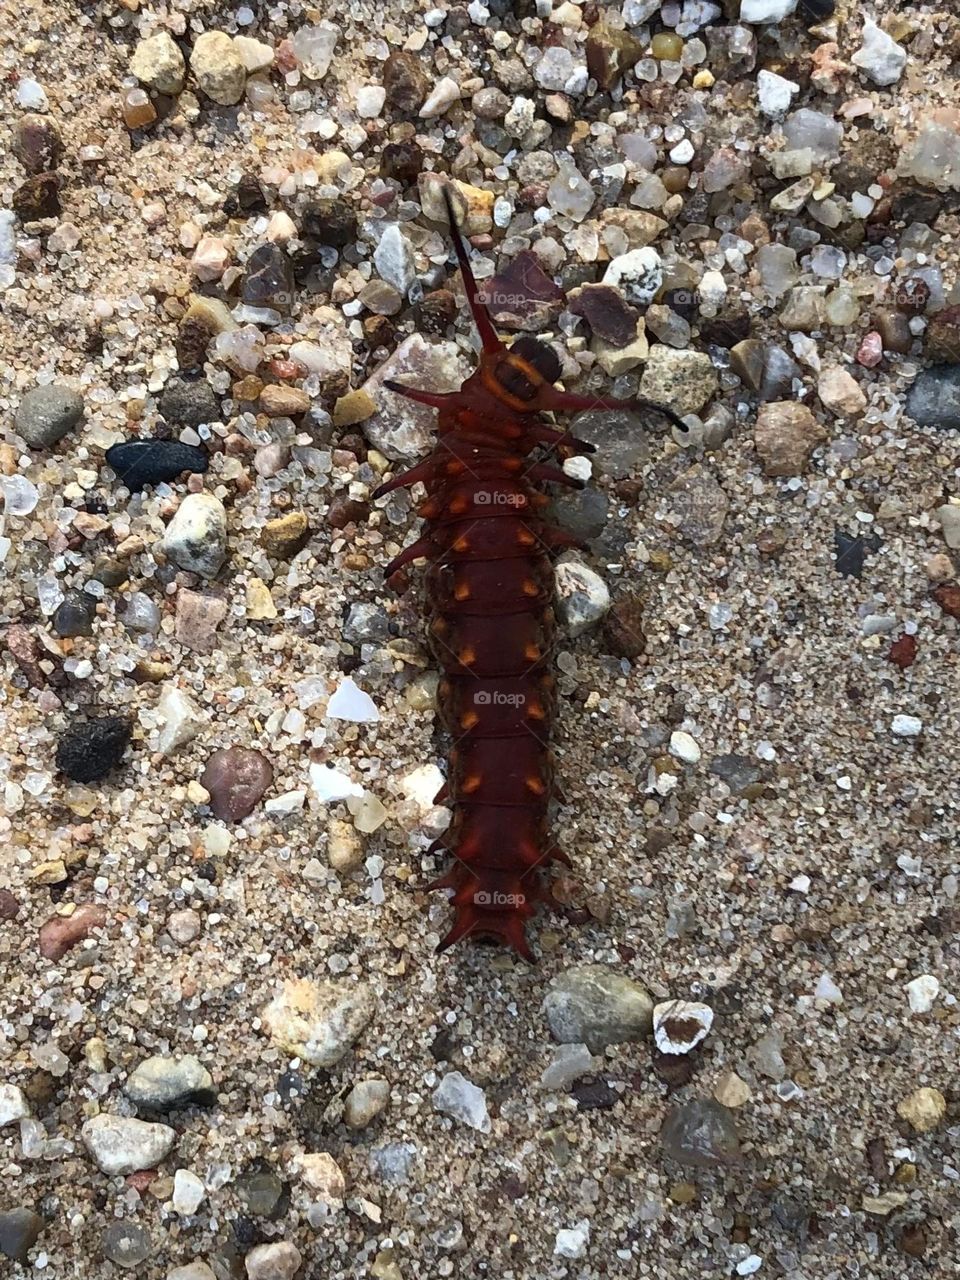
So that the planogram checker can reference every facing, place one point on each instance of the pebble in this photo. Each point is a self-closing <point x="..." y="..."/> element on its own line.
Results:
<point x="286" y="535"/>
<point x="210" y="258"/>
<point x="571" y="1242"/>
<point x="879" y="57"/>
<point x="700" y="1134"/>
<point x="192" y="1271"/>
<point x="123" y="1145"/>
<point x="138" y="111"/>
<point x="582" y="595"/>
<point x="775" y="93"/>
<point x="181" y="719"/>
<point x="278" y="401"/>
<point x="850" y="552"/>
<point x="196" y="537"/>
<point x="440" y="98"/>
<point x="684" y="380"/>
<point x="922" y="993"/>
<point x="568" y="1063"/>
<point x="137" y="463"/>
<point x="158" y="63"/>
<point x="949" y="516"/>
<point x="13" y="1105"/>
<point x="903" y="726"/>
<point x="141" y="616"/>
<point x="596" y="1006"/>
<point x="923" y="1110"/>
<point x="89" y="749"/>
<point x="313" y="46"/>
<point x="393" y="258"/>
<point x="256" y="55"/>
<point x="698" y="506"/>
<point x="279" y="1260"/>
<point x="399" y="428"/>
<point x="60" y="934"/>
<point x="236" y="778"/>
<point x="188" y="1192"/>
<point x="46" y="414"/>
<point x="261" y="1190"/>
<point x="731" y="1091"/>
<point x="638" y="274"/>
<point x="37" y="198"/>
<point x="458" y="1097"/>
<point x="321" y="1173"/>
<point x="759" y="11"/>
<point x="841" y="393"/>
<point x="37" y="144"/>
<point x="196" y="620"/>
<point x="74" y="615"/>
<point x="19" y="1231"/>
<point x="934" y="398"/>
<point x="164" y="1084"/>
<point x="318" y="1021"/>
<point x="349" y="702"/>
<point x="188" y="402"/>
<point x="268" y="279"/>
<point x="218" y="68"/>
<point x="127" y="1244"/>
<point x="786" y="434"/>
<point x="184" y="926"/>
<point x="365" y="1101"/>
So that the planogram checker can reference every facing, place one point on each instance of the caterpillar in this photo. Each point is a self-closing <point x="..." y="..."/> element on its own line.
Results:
<point x="491" y="629"/>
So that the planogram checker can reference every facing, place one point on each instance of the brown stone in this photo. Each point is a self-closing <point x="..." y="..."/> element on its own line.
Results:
<point x="405" y="81"/>
<point x="283" y="402"/>
<point x="286" y="535"/>
<point x="786" y="435"/>
<point x="60" y="933"/>
<point x="623" y="626"/>
<point x="236" y="779"/>
<point x="197" y="619"/>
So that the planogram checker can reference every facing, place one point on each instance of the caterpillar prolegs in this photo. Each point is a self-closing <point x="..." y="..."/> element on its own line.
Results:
<point x="489" y="586"/>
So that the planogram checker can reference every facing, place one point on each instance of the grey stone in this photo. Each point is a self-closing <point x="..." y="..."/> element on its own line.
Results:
<point x="46" y="414"/>
<point x="700" y="1134"/>
<point x="162" y="1084"/>
<point x="19" y="1231"/>
<point x="188" y="402"/>
<point x="596" y="1006"/>
<point x="122" y="1145"/>
<point x="934" y="398"/>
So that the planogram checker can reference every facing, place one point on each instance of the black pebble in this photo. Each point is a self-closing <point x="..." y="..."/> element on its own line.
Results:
<point x="74" y="615"/>
<point x="850" y="552"/>
<point x="87" y="751"/>
<point x="140" y="462"/>
<point x="594" y="1095"/>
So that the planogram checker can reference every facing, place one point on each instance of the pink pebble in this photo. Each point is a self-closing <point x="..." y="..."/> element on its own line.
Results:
<point x="870" y="352"/>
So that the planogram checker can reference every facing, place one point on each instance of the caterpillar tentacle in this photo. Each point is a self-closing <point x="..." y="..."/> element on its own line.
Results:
<point x="489" y="588"/>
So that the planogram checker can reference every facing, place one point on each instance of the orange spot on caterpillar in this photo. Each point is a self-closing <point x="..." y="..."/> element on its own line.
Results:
<point x="461" y="591"/>
<point x="469" y="720"/>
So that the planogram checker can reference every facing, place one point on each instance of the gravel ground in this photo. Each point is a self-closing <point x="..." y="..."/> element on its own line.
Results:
<point x="227" y="1047"/>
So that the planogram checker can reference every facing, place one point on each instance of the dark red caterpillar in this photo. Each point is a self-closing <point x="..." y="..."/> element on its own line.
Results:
<point x="490" y="586"/>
